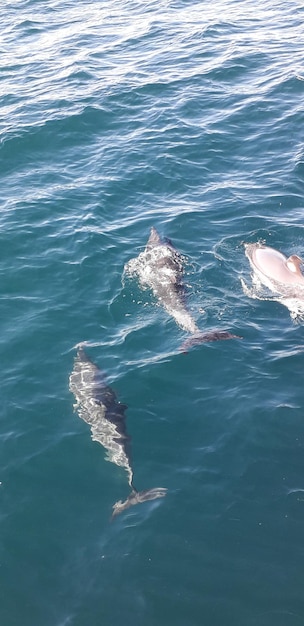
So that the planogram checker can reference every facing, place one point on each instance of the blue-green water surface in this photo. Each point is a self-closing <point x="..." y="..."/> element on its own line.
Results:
<point x="115" y="117"/>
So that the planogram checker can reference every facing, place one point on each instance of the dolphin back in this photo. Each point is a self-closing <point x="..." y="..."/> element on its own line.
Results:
<point x="97" y="405"/>
<point x="207" y="337"/>
<point x="136" y="497"/>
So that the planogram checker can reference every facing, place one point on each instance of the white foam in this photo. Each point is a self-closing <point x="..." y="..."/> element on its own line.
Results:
<point x="260" y="292"/>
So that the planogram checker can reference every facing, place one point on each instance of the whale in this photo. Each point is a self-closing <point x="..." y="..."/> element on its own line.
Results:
<point x="280" y="274"/>
<point x="160" y="268"/>
<point x="97" y="404"/>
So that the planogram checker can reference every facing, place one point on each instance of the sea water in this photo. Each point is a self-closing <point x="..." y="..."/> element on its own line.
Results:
<point x="116" y="117"/>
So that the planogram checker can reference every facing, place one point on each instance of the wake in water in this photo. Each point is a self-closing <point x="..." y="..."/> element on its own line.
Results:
<point x="160" y="268"/>
<point x="275" y="278"/>
<point x="97" y="405"/>
<point x="258" y="292"/>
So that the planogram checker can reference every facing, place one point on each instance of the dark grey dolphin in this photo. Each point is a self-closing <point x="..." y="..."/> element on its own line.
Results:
<point x="160" y="267"/>
<point x="96" y="404"/>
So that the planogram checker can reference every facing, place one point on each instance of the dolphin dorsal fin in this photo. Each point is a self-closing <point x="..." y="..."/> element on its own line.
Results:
<point x="293" y="263"/>
<point x="154" y="239"/>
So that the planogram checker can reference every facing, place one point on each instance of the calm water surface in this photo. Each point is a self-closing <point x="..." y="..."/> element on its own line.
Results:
<point x="116" y="116"/>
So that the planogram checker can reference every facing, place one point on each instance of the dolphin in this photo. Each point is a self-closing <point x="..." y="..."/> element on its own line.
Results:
<point x="97" y="404"/>
<point x="280" y="274"/>
<point x="160" y="268"/>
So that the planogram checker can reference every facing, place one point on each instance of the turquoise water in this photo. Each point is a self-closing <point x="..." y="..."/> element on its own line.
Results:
<point x="115" y="117"/>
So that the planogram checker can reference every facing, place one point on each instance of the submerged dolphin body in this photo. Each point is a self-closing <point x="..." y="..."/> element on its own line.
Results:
<point x="96" y="404"/>
<point x="160" y="267"/>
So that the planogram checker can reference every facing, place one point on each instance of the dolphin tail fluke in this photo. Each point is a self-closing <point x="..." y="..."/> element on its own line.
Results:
<point x="211" y="335"/>
<point x="136" y="497"/>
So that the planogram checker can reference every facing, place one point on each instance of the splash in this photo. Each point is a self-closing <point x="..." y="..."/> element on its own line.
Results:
<point x="258" y="291"/>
